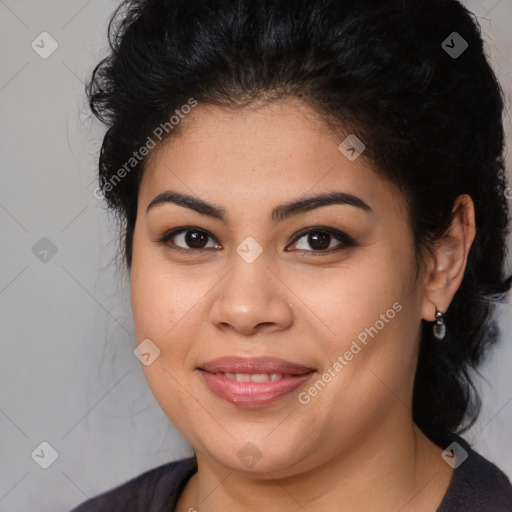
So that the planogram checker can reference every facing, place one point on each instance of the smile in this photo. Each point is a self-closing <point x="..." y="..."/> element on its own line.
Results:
<point x="252" y="390"/>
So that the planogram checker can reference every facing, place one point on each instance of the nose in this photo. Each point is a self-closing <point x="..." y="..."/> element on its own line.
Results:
<point x="251" y="299"/>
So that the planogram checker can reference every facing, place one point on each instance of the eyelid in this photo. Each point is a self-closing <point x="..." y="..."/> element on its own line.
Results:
<point x="346" y="240"/>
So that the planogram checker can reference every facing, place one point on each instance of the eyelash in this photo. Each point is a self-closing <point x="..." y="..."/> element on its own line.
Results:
<point x="346" y="241"/>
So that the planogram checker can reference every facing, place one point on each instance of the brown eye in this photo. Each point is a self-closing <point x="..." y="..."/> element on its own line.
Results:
<point x="320" y="240"/>
<point x="186" y="239"/>
<point x="195" y="239"/>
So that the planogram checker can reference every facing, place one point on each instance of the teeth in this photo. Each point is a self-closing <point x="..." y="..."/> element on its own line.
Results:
<point x="260" y="377"/>
<point x="253" y="377"/>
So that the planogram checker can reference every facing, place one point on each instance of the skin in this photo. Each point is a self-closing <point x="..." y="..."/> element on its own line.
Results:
<point x="354" y="444"/>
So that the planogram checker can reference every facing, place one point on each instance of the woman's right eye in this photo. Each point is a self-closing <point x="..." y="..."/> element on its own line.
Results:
<point x="193" y="237"/>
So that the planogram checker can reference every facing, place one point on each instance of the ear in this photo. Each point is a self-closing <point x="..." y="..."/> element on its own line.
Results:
<point x="447" y="264"/>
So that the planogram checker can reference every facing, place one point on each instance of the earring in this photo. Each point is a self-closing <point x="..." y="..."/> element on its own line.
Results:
<point x="439" y="328"/>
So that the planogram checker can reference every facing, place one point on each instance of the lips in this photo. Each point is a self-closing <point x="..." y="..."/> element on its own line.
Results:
<point x="254" y="365"/>
<point x="253" y="382"/>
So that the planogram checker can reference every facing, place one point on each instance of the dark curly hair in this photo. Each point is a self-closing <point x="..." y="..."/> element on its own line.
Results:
<point x="431" y="121"/>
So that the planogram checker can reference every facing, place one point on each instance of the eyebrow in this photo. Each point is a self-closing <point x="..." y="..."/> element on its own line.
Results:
<point x="279" y="213"/>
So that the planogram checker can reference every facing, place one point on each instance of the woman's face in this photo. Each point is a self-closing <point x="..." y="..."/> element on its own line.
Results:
<point x="253" y="287"/>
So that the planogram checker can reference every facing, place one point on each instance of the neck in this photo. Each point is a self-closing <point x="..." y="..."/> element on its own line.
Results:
<point x="398" y="472"/>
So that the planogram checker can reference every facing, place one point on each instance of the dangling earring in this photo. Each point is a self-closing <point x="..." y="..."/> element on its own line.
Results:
<point x="439" y="328"/>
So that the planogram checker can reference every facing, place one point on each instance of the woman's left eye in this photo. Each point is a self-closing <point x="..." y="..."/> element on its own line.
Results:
<point x="319" y="238"/>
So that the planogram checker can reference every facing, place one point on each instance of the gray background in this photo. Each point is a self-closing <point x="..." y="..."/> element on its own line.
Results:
<point x="68" y="373"/>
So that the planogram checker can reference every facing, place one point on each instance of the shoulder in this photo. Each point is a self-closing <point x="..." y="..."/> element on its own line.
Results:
<point x="477" y="484"/>
<point x="152" y="491"/>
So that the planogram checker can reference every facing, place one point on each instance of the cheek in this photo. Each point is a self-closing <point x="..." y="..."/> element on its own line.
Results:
<point x="166" y="306"/>
<point x="156" y="309"/>
<point x="370" y="311"/>
<point x="157" y="306"/>
<point x="352" y="299"/>
<point x="156" y="298"/>
<point x="146" y="301"/>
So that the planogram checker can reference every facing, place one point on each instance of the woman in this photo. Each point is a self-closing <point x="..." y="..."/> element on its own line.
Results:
<point x="314" y="213"/>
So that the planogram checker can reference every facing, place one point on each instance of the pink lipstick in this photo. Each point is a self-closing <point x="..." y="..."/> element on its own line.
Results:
<point x="253" y="381"/>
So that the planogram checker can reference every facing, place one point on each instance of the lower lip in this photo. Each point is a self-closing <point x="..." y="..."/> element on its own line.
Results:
<point x="252" y="394"/>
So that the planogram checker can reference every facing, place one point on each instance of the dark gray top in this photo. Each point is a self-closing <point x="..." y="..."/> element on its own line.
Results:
<point x="477" y="485"/>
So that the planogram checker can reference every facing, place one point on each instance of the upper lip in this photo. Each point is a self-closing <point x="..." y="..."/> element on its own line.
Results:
<point x="234" y="364"/>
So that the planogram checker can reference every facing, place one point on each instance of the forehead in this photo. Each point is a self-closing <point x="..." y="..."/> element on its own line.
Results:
<point x="277" y="151"/>
<point x="244" y="136"/>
